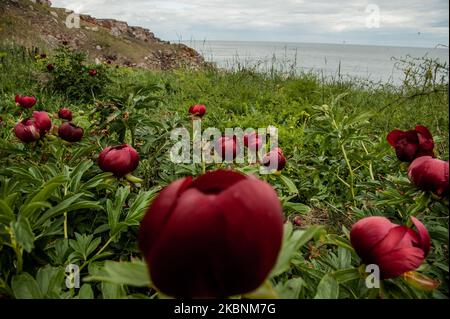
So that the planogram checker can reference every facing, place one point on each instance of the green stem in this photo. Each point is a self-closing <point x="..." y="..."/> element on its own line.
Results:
<point x="350" y="170"/>
<point x="17" y="250"/>
<point x="98" y="253"/>
<point x="66" y="235"/>
<point x="370" y="162"/>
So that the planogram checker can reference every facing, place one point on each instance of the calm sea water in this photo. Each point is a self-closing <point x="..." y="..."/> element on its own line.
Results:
<point x="376" y="63"/>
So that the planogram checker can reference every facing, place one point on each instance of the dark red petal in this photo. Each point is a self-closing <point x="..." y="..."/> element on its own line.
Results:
<point x="430" y="174"/>
<point x="412" y="137"/>
<point x="217" y="181"/>
<point x="424" y="132"/>
<point x="397" y="237"/>
<point x="368" y="232"/>
<point x="186" y="259"/>
<point x="398" y="261"/>
<point x="42" y="121"/>
<point x="159" y="212"/>
<point x="405" y="151"/>
<point x="254" y="222"/>
<point x="394" y="136"/>
<point x="101" y="157"/>
<point x="424" y="236"/>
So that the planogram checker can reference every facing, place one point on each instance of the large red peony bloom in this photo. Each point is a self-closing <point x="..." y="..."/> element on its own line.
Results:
<point x="275" y="159"/>
<point x="396" y="249"/>
<point x="70" y="132"/>
<point x="42" y="121"/>
<point x="430" y="174"/>
<point x="26" y="131"/>
<point x="25" y="101"/>
<point x="119" y="160"/>
<point x="198" y="110"/>
<point x="412" y="144"/>
<point x="216" y="236"/>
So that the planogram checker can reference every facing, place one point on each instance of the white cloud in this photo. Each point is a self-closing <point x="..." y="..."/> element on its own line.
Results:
<point x="284" y="20"/>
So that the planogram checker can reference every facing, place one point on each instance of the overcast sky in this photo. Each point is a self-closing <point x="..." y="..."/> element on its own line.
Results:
<point x="421" y="23"/>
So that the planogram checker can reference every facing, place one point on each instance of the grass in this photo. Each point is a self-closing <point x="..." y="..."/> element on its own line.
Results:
<point x="340" y="167"/>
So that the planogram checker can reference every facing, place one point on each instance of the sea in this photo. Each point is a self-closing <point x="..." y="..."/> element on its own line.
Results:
<point x="380" y="64"/>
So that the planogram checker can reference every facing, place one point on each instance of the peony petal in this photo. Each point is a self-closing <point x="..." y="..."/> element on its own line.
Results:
<point x="251" y="207"/>
<point x="423" y="235"/>
<point x="217" y="181"/>
<point x="397" y="237"/>
<point x="424" y="132"/>
<point x="394" y="136"/>
<point x="159" y="213"/>
<point x="192" y="234"/>
<point x="368" y="232"/>
<point x="399" y="261"/>
<point x="412" y="137"/>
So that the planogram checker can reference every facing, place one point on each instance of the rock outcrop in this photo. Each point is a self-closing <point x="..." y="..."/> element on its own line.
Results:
<point x="120" y="28"/>
<point x="35" y="23"/>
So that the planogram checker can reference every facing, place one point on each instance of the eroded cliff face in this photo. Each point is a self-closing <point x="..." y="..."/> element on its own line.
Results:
<point x="36" y="23"/>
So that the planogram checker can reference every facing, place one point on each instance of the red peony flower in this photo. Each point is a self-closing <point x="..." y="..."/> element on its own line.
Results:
<point x="198" y="110"/>
<point x="25" y="101"/>
<point x="26" y="131"/>
<point x="65" y="114"/>
<point x="50" y="67"/>
<point x="42" y="121"/>
<point x="92" y="72"/>
<point x="119" y="160"/>
<point x="430" y="174"/>
<point x="70" y="132"/>
<point x="227" y="147"/>
<point x="216" y="236"/>
<point x="412" y="144"/>
<point x="275" y="159"/>
<point x="396" y="249"/>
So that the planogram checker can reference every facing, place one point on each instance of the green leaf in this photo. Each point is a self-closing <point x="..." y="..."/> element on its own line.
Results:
<point x="290" y="289"/>
<point x="292" y="242"/>
<point x="297" y="207"/>
<point x="112" y="291"/>
<point x="345" y="275"/>
<point x="77" y="174"/>
<point x="289" y="184"/>
<point x="25" y="286"/>
<point x="139" y="207"/>
<point x="58" y="209"/>
<point x="86" y="292"/>
<point x="23" y="233"/>
<point x="47" y="189"/>
<point x="265" y="291"/>
<point x="28" y="209"/>
<point x="84" y="245"/>
<point x="50" y="280"/>
<point x="328" y="288"/>
<point x="134" y="273"/>
<point x="6" y="213"/>
<point x="114" y="210"/>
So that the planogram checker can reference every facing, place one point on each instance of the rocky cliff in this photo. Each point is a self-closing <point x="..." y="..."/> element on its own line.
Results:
<point x="35" y="23"/>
